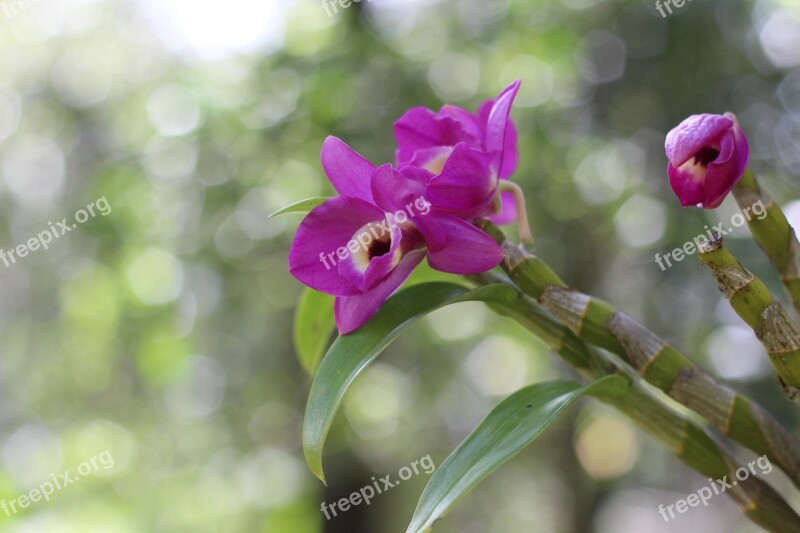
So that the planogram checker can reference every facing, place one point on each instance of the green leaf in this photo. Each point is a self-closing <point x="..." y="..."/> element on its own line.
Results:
<point x="351" y="354"/>
<point x="509" y="428"/>
<point x="303" y="206"/>
<point x="313" y="324"/>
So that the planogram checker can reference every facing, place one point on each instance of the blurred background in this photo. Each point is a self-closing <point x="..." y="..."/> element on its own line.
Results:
<point x="162" y="331"/>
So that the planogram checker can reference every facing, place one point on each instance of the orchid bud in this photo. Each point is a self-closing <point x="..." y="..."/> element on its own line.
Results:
<point x="707" y="155"/>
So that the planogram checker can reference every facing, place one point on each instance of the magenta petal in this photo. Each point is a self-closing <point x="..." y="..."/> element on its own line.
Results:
<point x="723" y="175"/>
<point x="466" y="184"/>
<point x="417" y="174"/>
<point x="508" y="210"/>
<point x="692" y="135"/>
<point x="742" y="149"/>
<point x="325" y="229"/>
<point x="727" y="148"/>
<point x="687" y="186"/>
<point x="348" y="171"/>
<point x="497" y="123"/>
<point x="717" y="185"/>
<point x="393" y="191"/>
<point x="434" y="237"/>
<point x="416" y="130"/>
<point x="469" y="123"/>
<point x="510" y="156"/>
<point x="352" y="312"/>
<point x="510" y="152"/>
<point x="467" y="249"/>
<point x="421" y="128"/>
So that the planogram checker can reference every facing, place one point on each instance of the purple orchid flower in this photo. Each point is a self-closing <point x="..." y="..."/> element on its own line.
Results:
<point x="463" y="156"/>
<point x="707" y="156"/>
<point x="361" y="246"/>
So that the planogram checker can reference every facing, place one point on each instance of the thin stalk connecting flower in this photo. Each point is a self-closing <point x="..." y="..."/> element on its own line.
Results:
<point x="525" y="236"/>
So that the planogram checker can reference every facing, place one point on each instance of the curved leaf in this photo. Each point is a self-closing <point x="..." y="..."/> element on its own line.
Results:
<point x="313" y="324"/>
<point x="303" y="206"/>
<point x="351" y="354"/>
<point x="508" y="428"/>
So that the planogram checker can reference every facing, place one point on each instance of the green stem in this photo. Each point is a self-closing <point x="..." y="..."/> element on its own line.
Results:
<point x="772" y="232"/>
<point x="681" y="436"/>
<point x="753" y="302"/>
<point x="661" y="365"/>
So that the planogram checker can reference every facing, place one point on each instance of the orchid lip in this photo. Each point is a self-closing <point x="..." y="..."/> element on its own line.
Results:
<point x="378" y="243"/>
<point x="706" y="156"/>
<point x="376" y="249"/>
<point x="698" y="164"/>
<point x="435" y="165"/>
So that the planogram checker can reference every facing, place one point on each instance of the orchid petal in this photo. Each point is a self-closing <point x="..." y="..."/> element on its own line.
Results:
<point x="420" y="128"/>
<point x="466" y="250"/>
<point x="466" y="184"/>
<point x="687" y="184"/>
<point x="326" y="229"/>
<point x="693" y="134"/>
<point x="348" y="171"/>
<point x="498" y="121"/>
<point x="721" y="173"/>
<point x="417" y="174"/>
<point x="393" y="191"/>
<point x="508" y="210"/>
<point x="352" y="312"/>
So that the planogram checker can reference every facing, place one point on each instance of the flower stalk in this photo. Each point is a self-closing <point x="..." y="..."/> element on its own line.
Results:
<point x="525" y="236"/>
<point x="690" y="443"/>
<point x="773" y="234"/>
<point x="753" y="302"/>
<point x="599" y="323"/>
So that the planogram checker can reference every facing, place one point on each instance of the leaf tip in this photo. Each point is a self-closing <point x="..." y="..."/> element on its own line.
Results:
<point x="318" y="473"/>
<point x="314" y="463"/>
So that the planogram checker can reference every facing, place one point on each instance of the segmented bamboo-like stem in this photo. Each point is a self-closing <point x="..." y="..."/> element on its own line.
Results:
<point x="753" y="302"/>
<point x="772" y="232"/>
<point x="681" y="436"/>
<point x="661" y="365"/>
